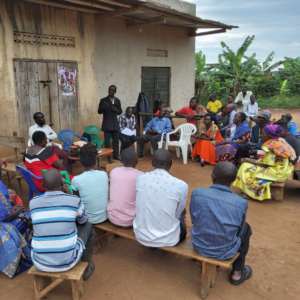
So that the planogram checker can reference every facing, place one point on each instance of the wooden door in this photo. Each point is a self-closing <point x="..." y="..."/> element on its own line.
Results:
<point x="38" y="90"/>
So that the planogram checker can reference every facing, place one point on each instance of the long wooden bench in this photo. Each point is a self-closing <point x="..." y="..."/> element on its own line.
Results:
<point x="43" y="283"/>
<point x="185" y="248"/>
<point x="277" y="191"/>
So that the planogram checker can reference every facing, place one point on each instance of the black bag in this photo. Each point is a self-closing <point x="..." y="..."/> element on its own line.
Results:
<point x="87" y="136"/>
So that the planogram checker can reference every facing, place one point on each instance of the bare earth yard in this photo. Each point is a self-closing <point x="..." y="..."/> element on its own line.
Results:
<point x="127" y="270"/>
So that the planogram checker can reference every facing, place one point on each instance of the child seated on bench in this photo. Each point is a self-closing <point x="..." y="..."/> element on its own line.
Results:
<point x="160" y="202"/>
<point x="219" y="222"/>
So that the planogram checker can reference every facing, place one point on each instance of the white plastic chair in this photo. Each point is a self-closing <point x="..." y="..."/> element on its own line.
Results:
<point x="120" y="144"/>
<point x="186" y="130"/>
<point x="30" y="143"/>
<point x="160" y="143"/>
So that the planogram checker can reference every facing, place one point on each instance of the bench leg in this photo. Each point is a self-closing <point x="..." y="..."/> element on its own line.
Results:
<point x="208" y="278"/>
<point x="19" y="187"/>
<point x="77" y="288"/>
<point x="40" y="283"/>
<point x="100" y="237"/>
<point x="277" y="193"/>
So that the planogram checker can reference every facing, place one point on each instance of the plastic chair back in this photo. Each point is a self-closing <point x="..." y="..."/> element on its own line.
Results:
<point x="186" y="130"/>
<point x="93" y="132"/>
<point x="65" y="180"/>
<point x="67" y="136"/>
<point x="27" y="175"/>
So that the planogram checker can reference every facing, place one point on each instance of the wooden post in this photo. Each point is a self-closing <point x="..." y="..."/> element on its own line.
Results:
<point x="208" y="278"/>
<point x="141" y="125"/>
<point x="199" y="122"/>
<point x="18" y="174"/>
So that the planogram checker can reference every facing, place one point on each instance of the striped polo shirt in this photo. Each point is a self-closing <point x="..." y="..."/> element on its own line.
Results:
<point x="55" y="244"/>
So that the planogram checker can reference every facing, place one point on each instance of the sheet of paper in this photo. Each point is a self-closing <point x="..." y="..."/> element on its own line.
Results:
<point x="129" y="132"/>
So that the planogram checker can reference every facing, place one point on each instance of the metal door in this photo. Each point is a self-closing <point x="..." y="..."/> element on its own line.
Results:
<point x="156" y="84"/>
<point x="38" y="90"/>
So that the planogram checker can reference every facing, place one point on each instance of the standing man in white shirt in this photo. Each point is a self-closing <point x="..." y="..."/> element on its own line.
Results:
<point x="160" y="205"/>
<point x="40" y="125"/>
<point x="243" y="96"/>
<point x="250" y="108"/>
<point x="127" y="121"/>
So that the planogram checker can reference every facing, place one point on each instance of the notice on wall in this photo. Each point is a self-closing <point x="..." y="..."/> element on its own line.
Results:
<point x="67" y="82"/>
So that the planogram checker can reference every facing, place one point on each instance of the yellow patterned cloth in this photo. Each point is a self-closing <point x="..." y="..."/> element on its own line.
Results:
<point x="279" y="170"/>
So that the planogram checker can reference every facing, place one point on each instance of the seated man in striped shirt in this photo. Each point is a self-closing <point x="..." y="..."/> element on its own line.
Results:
<point x="62" y="233"/>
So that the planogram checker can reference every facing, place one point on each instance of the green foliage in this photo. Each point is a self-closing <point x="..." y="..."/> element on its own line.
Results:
<point x="276" y="87"/>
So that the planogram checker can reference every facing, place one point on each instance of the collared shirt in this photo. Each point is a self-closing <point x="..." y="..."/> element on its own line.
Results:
<point x="188" y="111"/>
<point x="218" y="216"/>
<point x="125" y="122"/>
<point x="161" y="125"/>
<point x="240" y="97"/>
<point x="51" y="135"/>
<point x="160" y="201"/>
<point x="121" y="204"/>
<point x="251" y="110"/>
<point x="231" y="117"/>
<point x="55" y="244"/>
<point x="93" y="190"/>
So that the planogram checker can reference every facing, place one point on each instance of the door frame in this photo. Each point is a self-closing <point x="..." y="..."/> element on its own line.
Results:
<point x="45" y="61"/>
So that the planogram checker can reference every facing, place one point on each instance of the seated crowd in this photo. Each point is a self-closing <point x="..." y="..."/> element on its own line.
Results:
<point x="57" y="232"/>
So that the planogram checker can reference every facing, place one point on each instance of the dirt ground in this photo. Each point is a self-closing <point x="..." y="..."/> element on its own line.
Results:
<point x="127" y="270"/>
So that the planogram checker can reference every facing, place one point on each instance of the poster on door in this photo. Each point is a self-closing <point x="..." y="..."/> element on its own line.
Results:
<point x="67" y="82"/>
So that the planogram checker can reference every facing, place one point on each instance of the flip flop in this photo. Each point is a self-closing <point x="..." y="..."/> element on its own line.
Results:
<point x="246" y="274"/>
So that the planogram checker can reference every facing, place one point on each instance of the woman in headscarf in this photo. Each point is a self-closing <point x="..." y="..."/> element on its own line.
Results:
<point x="292" y="126"/>
<point x="15" y="235"/>
<point x="205" y="145"/>
<point x="254" y="176"/>
<point x="240" y="133"/>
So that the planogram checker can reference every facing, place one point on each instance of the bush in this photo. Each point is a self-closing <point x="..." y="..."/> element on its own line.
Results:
<point x="279" y="102"/>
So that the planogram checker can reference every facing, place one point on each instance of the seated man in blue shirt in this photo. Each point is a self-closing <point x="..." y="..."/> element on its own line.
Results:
<point x="219" y="222"/>
<point x="154" y="129"/>
<point x="255" y="142"/>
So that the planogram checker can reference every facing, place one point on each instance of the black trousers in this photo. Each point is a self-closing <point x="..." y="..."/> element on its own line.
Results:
<point x="243" y="150"/>
<point x="153" y="139"/>
<point x="115" y="138"/>
<point x="126" y="140"/>
<point x="182" y="229"/>
<point x="86" y="233"/>
<point x="239" y="264"/>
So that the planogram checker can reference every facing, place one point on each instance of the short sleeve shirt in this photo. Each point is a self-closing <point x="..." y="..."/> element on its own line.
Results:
<point x="188" y="111"/>
<point x="214" y="106"/>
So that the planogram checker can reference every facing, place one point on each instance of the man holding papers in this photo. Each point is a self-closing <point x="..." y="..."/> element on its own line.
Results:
<point x="127" y="134"/>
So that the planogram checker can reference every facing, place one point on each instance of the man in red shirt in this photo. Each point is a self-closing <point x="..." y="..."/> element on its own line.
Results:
<point x="190" y="112"/>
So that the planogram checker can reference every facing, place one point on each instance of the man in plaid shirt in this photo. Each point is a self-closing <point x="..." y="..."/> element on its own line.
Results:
<point x="127" y="121"/>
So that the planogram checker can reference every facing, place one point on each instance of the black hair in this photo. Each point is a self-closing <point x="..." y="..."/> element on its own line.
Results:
<point x="128" y="107"/>
<point x="209" y="115"/>
<point x="161" y="159"/>
<point x="243" y="116"/>
<point x="128" y="156"/>
<point x="52" y="179"/>
<point x="282" y="124"/>
<point x="195" y="98"/>
<point x="36" y="114"/>
<point x="223" y="107"/>
<point x="231" y="95"/>
<point x="88" y="154"/>
<point x="213" y="96"/>
<point x="112" y="86"/>
<point x="38" y="137"/>
<point x="225" y="172"/>
<point x="157" y="103"/>
<point x="245" y="87"/>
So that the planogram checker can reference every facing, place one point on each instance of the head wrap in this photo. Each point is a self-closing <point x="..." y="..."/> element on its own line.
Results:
<point x="274" y="131"/>
<point x="287" y="116"/>
<point x="265" y="115"/>
<point x="267" y="112"/>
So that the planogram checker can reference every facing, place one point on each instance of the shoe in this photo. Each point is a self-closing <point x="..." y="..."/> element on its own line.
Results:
<point x="87" y="257"/>
<point x="117" y="157"/>
<point x="140" y="155"/>
<point x="109" y="159"/>
<point x="246" y="274"/>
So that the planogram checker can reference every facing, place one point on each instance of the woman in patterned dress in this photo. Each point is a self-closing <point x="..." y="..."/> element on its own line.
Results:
<point x="205" y="145"/>
<point x="254" y="176"/>
<point x="240" y="133"/>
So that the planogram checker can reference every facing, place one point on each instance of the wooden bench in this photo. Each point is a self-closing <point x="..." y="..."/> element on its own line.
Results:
<point x="185" y="248"/>
<point x="277" y="191"/>
<point x="43" y="284"/>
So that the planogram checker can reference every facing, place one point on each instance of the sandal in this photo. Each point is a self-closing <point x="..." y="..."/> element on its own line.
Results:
<point x="196" y="160"/>
<point x="246" y="274"/>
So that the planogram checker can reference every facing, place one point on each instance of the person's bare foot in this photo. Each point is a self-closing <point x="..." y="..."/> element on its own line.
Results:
<point x="236" y="275"/>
